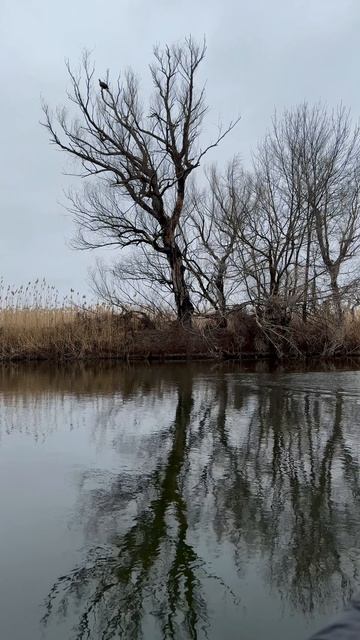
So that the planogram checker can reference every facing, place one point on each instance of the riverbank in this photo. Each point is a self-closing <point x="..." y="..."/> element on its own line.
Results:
<point x="71" y="334"/>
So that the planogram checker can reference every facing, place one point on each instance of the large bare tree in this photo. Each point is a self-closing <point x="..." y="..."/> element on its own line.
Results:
<point x="211" y="235"/>
<point x="139" y="158"/>
<point x="330" y="147"/>
<point x="303" y="226"/>
<point x="270" y="228"/>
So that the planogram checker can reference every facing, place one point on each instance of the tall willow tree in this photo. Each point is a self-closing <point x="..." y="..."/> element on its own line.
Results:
<point x="304" y="219"/>
<point x="138" y="157"/>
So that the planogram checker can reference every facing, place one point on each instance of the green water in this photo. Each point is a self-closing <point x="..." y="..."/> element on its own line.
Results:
<point x="177" y="501"/>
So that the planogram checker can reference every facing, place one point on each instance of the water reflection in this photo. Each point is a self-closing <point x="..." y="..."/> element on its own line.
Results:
<point x="263" y="465"/>
<point x="153" y="565"/>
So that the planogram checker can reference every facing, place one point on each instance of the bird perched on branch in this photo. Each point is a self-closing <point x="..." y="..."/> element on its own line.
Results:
<point x="103" y="85"/>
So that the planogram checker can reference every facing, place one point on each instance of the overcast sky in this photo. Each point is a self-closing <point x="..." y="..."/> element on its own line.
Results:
<point x="262" y="55"/>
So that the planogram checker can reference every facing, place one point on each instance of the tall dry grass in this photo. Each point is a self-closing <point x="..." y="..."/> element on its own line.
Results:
<point x="35" y="324"/>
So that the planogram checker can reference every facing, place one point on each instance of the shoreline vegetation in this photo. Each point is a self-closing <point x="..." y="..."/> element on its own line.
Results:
<point x="228" y="261"/>
<point x="36" y="325"/>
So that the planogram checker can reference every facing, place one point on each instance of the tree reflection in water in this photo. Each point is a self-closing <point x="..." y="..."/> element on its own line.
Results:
<point x="266" y="464"/>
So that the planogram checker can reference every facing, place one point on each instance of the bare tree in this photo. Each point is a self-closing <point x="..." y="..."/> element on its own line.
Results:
<point x="304" y="217"/>
<point x="331" y="174"/>
<point x="141" y="158"/>
<point x="211" y="236"/>
<point x="271" y="227"/>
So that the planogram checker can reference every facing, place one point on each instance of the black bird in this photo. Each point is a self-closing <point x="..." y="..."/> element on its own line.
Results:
<point x="103" y="85"/>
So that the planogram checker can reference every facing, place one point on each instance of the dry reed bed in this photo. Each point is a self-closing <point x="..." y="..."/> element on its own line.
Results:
<point x="63" y="334"/>
<point x="60" y="334"/>
<point x="35" y="325"/>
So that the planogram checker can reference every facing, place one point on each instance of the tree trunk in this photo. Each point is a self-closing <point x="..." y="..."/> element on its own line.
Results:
<point x="184" y="306"/>
<point x="220" y="294"/>
<point x="314" y="300"/>
<point x="274" y="285"/>
<point x="306" y="276"/>
<point x="336" y="296"/>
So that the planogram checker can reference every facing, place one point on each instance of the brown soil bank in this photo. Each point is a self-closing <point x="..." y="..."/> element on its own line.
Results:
<point x="75" y="335"/>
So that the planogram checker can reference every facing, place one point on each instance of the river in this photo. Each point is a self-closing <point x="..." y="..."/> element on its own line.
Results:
<point x="177" y="501"/>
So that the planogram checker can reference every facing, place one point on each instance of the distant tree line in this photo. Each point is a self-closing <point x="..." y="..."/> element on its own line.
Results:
<point x="281" y="238"/>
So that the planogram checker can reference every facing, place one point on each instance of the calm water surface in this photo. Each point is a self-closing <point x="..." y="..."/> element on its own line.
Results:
<point x="177" y="501"/>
